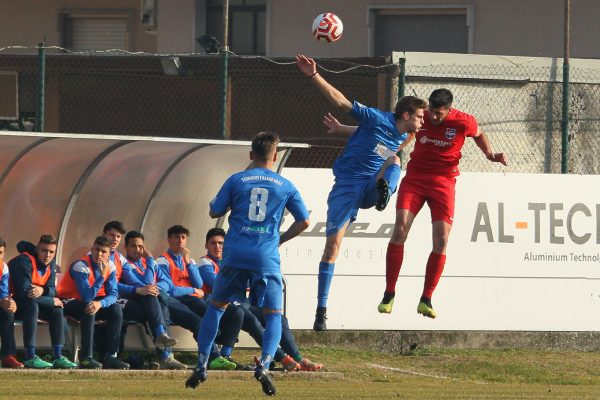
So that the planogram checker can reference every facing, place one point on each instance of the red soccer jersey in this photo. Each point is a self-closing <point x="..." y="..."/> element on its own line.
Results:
<point x="437" y="147"/>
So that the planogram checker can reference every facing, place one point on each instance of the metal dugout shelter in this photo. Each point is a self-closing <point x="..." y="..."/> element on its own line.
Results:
<point x="70" y="185"/>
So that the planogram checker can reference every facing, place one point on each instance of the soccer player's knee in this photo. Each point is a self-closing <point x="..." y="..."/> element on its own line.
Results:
<point x="30" y="306"/>
<point x="440" y="242"/>
<point x="331" y="251"/>
<point x="57" y="312"/>
<point x="115" y="311"/>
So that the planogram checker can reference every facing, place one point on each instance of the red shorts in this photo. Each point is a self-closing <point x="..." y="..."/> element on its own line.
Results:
<point x="437" y="191"/>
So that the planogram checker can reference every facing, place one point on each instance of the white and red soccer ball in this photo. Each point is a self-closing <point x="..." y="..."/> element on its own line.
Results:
<point x="327" y="27"/>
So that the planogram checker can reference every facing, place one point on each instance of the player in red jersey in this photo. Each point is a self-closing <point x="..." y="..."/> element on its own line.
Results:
<point x="430" y="178"/>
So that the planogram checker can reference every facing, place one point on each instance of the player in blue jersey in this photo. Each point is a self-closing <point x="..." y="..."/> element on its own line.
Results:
<point x="257" y="199"/>
<point x="366" y="173"/>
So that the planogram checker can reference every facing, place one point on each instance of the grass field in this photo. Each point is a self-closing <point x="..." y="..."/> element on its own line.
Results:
<point x="350" y="374"/>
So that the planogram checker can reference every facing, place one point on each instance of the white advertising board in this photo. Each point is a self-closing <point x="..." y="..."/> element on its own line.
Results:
<point x="524" y="254"/>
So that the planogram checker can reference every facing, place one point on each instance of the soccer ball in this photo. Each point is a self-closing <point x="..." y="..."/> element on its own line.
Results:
<point x="327" y="27"/>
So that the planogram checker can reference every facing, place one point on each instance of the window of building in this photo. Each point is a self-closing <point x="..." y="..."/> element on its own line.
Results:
<point x="89" y="30"/>
<point x="247" y="24"/>
<point x="443" y="29"/>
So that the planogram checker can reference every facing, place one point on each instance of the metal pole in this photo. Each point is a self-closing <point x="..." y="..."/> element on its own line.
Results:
<point x="224" y="134"/>
<point x="565" y="91"/>
<point x="402" y="78"/>
<point x="39" y="120"/>
<point x="401" y="91"/>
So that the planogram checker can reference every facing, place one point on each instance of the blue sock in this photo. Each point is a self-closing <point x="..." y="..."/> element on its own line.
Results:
<point x="159" y="330"/>
<point x="29" y="352"/>
<point x="392" y="177"/>
<point x="226" y="351"/>
<point x="207" y="333"/>
<point x="164" y="354"/>
<point x="271" y="338"/>
<point x="57" y="348"/>
<point x="325" y="277"/>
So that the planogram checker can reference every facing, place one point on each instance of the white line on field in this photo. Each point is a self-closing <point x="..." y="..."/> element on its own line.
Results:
<point x="405" y="371"/>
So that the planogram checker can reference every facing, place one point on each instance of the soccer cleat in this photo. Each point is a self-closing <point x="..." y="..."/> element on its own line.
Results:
<point x="385" y="308"/>
<point x="320" y="318"/>
<point x="112" y="362"/>
<point x="221" y="363"/>
<point x="289" y="364"/>
<point x="163" y="340"/>
<point x="11" y="362"/>
<point x="262" y="375"/>
<point x="171" y="363"/>
<point x="198" y="376"/>
<point x="63" y="362"/>
<point x="426" y="309"/>
<point x="383" y="194"/>
<point x="307" y="365"/>
<point x="89" y="363"/>
<point x="240" y="366"/>
<point x="37" y="363"/>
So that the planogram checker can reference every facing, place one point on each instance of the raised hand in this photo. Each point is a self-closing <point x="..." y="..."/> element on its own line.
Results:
<point x="331" y="123"/>
<point x="308" y="66"/>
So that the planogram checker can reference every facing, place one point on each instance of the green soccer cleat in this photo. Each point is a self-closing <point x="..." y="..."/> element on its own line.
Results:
<point x="385" y="308"/>
<point x="37" y="363"/>
<point x="63" y="362"/>
<point x="425" y="308"/>
<point x="221" y="363"/>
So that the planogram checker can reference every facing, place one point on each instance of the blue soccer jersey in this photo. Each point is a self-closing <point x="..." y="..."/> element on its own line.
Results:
<point x="257" y="199"/>
<point x="373" y="142"/>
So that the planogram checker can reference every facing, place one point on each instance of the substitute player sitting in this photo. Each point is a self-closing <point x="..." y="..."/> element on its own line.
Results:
<point x="257" y="199"/>
<point x="366" y="173"/>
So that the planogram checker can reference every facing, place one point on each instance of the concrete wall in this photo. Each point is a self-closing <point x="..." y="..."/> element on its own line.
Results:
<point x="176" y="27"/>
<point x="28" y="22"/>
<point x="508" y="27"/>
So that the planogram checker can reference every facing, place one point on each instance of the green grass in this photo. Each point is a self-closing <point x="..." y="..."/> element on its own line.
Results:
<point x="424" y="374"/>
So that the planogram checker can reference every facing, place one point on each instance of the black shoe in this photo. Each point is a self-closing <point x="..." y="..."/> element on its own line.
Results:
<point x="320" y="317"/>
<point x="262" y="375"/>
<point x="198" y="376"/>
<point x="383" y="194"/>
<point x="89" y="363"/>
<point x="240" y="366"/>
<point x="112" y="362"/>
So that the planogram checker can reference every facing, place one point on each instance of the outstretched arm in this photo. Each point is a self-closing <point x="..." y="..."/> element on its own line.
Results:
<point x="483" y="143"/>
<point x="308" y="66"/>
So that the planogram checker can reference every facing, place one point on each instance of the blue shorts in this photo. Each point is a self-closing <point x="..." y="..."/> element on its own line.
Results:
<point x="266" y="288"/>
<point x="346" y="198"/>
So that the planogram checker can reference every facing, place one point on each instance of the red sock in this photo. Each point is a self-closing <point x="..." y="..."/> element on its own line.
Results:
<point x="393" y="262"/>
<point x="435" y="267"/>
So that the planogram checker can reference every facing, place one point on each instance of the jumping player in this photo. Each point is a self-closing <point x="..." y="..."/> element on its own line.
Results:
<point x="366" y="173"/>
<point x="430" y="177"/>
<point x="257" y="198"/>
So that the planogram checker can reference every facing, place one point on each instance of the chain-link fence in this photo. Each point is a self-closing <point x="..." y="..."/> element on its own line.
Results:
<point x="520" y="108"/>
<point x="141" y="94"/>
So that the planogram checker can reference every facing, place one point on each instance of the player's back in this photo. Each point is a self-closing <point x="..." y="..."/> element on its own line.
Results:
<point x="257" y="199"/>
